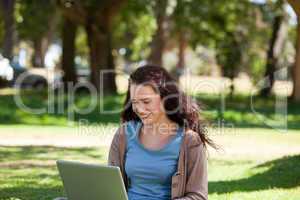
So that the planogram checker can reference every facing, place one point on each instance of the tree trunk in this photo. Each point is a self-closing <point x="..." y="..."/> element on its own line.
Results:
<point x="296" y="68"/>
<point x="97" y="21"/>
<point x="42" y="43"/>
<point x="68" y="52"/>
<point x="9" y="27"/>
<point x="158" y="41"/>
<point x="101" y="59"/>
<point x="181" y="54"/>
<point x="275" y="46"/>
<point x="231" y="87"/>
<point x="39" y="54"/>
<point x="295" y="5"/>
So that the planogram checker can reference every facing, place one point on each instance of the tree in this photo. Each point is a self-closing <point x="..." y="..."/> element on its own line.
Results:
<point x="158" y="42"/>
<point x="182" y="45"/>
<point x="231" y="38"/>
<point x="133" y="30"/>
<point x="181" y="31"/>
<point x="296" y="69"/>
<point x="279" y="31"/>
<point x="7" y="8"/>
<point x="295" y="5"/>
<point x="68" y="52"/>
<point x="219" y="25"/>
<point x="97" y="18"/>
<point x="38" y="28"/>
<point x="229" y="56"/>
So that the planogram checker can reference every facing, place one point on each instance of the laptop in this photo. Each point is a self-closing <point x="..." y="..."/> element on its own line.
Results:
<point x="91" y="182"/>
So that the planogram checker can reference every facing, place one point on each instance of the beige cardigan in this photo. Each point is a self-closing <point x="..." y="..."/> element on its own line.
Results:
<point x="190" y="180"/>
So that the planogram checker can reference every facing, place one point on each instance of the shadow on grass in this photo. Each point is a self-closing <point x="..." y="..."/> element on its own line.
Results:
<point x="31" y="192"/>
<point x="280" y="173"/>
<point x="45" y="153"/>
<point x="36" y="179"/>
<point x="29" y="172"/>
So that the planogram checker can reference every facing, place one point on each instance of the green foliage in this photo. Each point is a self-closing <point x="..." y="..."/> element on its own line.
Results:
<point x="33" y="17"/>
<point x="237" y="31"/>
<point x="133" y="29"/>
<point x="193" y="18"/>
<point x="292" y="33"/>
<point x="256" y="66"/>
<point x="145" y="27"/>
<point x="207" y="22"/>
<point x="232" y="44"/>
<point x="260" y="39"/>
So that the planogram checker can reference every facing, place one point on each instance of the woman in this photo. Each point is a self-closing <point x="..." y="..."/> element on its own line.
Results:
<point x="161" y="145"/>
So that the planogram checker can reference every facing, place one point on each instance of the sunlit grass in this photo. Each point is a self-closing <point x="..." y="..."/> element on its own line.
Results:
<point x="240" y="110"/>
<point x="253" y="164"/>
<point x="257" y="163"/>
<point x="30" y="173"/>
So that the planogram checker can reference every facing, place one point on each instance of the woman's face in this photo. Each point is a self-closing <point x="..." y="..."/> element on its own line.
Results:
<point x="146" y="103"/>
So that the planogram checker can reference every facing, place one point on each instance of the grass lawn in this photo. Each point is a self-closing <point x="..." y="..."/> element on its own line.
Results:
<point x="253" y="164"/>
<point x="239" y="110"/>
<point x="29" y="172"/>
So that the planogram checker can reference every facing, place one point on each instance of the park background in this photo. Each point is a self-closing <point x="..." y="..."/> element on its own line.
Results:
<point x="240" y="58"/>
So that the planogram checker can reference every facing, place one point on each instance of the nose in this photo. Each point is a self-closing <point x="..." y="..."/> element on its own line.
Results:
<point x="140" y="110"/>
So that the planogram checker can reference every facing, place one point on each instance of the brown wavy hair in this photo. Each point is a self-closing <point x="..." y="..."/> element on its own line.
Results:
<point x="179" y="107"/>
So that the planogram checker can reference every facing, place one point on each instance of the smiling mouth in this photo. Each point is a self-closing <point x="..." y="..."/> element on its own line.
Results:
<point x="145" y="117"/>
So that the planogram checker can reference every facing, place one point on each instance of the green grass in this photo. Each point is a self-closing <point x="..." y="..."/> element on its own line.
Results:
<point x="59" y="110"/>
<point x="257" y="164"/>
<point x="28" y="172"/>
<point x="238" y="110"/>
<point x="245" y="179"/>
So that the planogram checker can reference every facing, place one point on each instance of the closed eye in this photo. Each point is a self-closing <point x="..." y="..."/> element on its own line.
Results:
<point x="144" y="101"/>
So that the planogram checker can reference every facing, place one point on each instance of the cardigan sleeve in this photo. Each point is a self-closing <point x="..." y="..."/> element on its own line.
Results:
<point x="196" y="183"/>
<point x="113" y="155"/>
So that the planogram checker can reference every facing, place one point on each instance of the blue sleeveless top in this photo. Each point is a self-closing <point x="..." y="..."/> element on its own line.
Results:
<point x="150" y="171"/>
